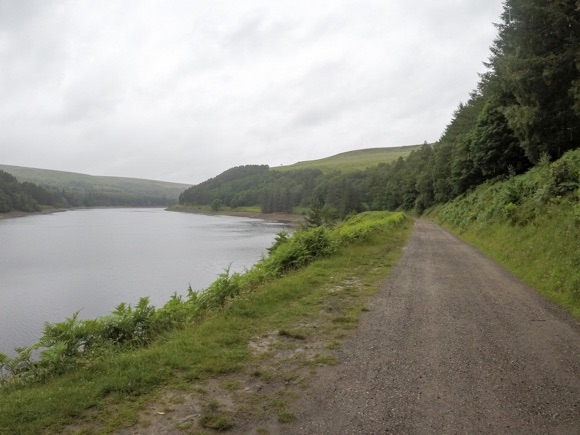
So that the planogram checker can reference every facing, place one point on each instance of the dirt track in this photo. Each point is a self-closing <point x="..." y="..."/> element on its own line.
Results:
<point x="452" y="344"/>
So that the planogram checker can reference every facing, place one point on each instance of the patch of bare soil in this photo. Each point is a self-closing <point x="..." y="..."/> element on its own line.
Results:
<point x="287" y="218"/>
<point x="18" y="214"/>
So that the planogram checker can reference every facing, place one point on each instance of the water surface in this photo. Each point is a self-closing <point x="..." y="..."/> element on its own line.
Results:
<point x="91" y="260"/>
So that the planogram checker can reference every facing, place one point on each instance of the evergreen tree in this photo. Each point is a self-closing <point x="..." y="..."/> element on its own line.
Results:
<point x="536" y="61"/>
<point x="315" y="215"/>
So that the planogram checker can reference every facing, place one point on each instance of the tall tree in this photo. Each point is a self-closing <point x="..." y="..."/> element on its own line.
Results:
<point x="488" y="151"/>
<point x="537" y="62"/>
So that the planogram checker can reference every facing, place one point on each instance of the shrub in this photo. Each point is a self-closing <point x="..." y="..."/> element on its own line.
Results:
<point x="175" y="312"/>
<point x="129" y="325"/>
<point x="301" y="249"/>
<point x="360" y="226"/>
<point x="225" y="286"/>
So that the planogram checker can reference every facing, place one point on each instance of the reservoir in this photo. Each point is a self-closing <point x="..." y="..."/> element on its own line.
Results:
<point x="92" y="260"/>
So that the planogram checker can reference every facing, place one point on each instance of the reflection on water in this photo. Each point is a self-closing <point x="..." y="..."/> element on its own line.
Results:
<point x="91" y="260"/>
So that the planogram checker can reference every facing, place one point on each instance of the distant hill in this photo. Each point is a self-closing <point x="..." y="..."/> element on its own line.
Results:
<point x="73" y="180"/>
<point x="70" y="189"/>
<point x="345" y="183"/>
<point x="351" y="161"/>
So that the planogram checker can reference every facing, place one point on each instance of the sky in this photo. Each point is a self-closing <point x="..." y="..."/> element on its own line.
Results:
<point x="181" y="90"/>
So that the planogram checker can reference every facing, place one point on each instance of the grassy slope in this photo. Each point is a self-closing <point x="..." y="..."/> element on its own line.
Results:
<point x="530" y="224"/>
<point x="71" y="180"/>
<point x="310" y="309"/>
<point x="353" y="160"/>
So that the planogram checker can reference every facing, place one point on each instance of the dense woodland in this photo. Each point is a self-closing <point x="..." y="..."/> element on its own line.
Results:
<point x="20" y="196"/>
<point x="30" y="197"/>
<point x="524" y="110"/>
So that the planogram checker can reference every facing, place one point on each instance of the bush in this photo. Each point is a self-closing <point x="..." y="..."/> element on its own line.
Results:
<point x="360" y="226"/>
<point x="129" y="325"/>
<point x="519" y="200"/>
<point x="224" y="287"/>
<point x="301" y="249"/>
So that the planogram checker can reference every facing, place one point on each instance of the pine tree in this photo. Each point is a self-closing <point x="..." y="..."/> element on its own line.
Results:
<point x="536" y="61"/>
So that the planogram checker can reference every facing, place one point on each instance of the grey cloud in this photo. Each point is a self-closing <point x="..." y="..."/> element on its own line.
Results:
<point x="184" y="89"/>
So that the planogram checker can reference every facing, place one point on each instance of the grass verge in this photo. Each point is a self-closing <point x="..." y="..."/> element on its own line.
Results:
<point x="243" y="365"/>
<point x="530" y="224"/>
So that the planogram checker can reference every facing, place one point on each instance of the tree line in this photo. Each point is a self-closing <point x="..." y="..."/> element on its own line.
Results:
<point x="19" y="196"/>
<point x="250" y="185"/>
<point x="525" y="109"/>
<point x="30" y="197"/>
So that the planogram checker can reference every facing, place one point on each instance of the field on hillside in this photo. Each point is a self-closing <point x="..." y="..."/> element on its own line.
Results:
<point x="72" y="180"/>
<point x="353" y="160"/>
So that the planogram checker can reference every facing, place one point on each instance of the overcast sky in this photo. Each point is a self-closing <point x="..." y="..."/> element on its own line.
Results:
<point x="181" y="90"/>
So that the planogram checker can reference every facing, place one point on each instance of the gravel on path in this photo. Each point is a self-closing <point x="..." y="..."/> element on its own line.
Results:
<point x="453" y="343"/>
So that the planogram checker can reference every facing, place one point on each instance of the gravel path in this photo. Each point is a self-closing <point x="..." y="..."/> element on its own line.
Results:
<point x="453" y="343"/>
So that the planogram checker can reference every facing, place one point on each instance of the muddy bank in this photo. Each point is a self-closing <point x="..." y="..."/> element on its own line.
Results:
<point x="287" y="218"/>
<point x="18" y="214"/>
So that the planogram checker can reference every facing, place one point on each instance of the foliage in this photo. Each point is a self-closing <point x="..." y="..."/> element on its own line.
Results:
<point x="319" y="214"/>
<point x="361" y="226"/>
<point x="301" y="249"/>
<point x="518" y="200"/>
<point x="488" y="151"/>
<point x="224" y="287"/>
<point x="19" y="196"/>
<point x="251" y="185"/>
<point x="535" y="63"/>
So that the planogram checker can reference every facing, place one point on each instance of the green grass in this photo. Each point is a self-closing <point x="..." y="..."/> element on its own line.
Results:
<point x="353" y="160"/>
<point x="530" y="224"/>
<point x="112" y="391"/>
<point x="543" y="254"/>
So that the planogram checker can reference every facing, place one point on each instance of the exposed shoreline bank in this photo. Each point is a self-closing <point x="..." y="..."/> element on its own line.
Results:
<point x="19" y="214"/>
<point x="287" y="218"/>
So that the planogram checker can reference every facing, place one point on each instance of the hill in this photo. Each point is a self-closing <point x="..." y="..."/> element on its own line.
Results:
<point x="351" y="161"/>
<point x="73" y="180"/>
<point x="31" y="189"/>
<point x="345" y="183"/>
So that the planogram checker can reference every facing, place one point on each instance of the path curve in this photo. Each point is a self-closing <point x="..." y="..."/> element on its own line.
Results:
<point x="453" y="343"/>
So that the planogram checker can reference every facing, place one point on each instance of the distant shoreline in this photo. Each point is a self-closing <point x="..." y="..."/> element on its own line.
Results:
<point x="287" y="218"/>
<point x="18" y="214"/>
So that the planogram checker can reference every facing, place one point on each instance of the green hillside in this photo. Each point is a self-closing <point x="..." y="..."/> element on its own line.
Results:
<point x="29" y="189"/>
<point x="72" y="180"/>
<point x="351" y="161"/>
